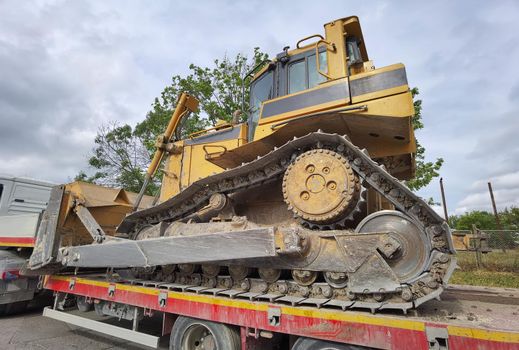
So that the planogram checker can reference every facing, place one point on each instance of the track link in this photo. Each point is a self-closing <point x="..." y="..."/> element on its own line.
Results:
<point x="426" y="286"/>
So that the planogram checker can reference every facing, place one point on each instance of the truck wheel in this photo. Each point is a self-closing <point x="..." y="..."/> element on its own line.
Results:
<point x="192" y="334"/>
<point x="314" y="344"/>
<point x="82" y="304"/>
<point x="13" y="308"/>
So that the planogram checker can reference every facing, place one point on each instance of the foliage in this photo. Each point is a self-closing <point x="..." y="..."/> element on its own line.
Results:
<point x="218" y="89"/>
<point x="484" y="220"/>
<point x="499" y="269"/>
<point x="122" y="154"/>
<point x="119" y="159"/>
<point x="486" y="278"/>
<point x="425" y="171"/>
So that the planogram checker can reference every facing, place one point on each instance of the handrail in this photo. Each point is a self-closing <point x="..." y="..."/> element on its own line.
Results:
<point x="309" y="37"/>
<point x="317" y="63"/>
<point x="222" y="126"/>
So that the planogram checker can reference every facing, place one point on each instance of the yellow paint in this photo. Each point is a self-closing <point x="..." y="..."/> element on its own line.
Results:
<point x="11" y="244"/>
<point x="349" y="316"/>
<point x="481" y="334"/>
<point x="172" y="169"/>
<point x="193" y="163"/>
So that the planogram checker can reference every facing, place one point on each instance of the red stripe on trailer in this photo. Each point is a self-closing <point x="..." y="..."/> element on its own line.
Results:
<point x="17" y="241"/>
<point x="384" y="332"/>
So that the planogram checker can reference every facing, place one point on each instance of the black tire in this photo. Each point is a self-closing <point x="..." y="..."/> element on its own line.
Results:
<point x="83" y="305"/>
<point x="3" y="309"/>
<point x="185" y="330"/>
<point x="314" y="344"/>
<point x="13" y="308"/>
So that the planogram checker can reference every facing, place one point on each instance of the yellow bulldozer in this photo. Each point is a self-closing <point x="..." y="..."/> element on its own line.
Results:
<point x="302" y="203"/>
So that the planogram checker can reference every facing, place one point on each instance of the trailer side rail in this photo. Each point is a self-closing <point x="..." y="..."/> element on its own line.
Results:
<point x="351" y="327"/>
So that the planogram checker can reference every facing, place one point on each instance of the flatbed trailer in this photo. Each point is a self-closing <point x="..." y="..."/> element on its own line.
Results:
<point x="466" y="318"/>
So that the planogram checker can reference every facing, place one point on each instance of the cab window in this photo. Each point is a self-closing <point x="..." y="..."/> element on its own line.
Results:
<point x="303" y="74"/>
<point x="261" y="91"/>
<point x="314" y="77"/>
<point x="297" y="76"/>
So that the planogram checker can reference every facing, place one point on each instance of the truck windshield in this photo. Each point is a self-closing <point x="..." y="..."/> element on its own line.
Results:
<point x="261" y="91"/>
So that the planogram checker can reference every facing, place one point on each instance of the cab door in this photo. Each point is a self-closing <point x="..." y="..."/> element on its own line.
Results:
<point x="303" y="89"/>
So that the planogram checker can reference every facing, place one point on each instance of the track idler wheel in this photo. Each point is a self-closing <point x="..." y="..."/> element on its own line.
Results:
<point x="320" y="187"/>
<point x="411" y="258"/>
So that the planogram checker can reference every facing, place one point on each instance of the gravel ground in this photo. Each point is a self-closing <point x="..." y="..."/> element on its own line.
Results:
<point x="30" y="330"/>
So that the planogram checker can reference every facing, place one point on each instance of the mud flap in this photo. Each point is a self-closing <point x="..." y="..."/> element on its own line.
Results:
<point x="47" y="240"/>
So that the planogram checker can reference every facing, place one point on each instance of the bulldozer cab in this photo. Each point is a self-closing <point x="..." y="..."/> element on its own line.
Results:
<point x="293" y="83"/>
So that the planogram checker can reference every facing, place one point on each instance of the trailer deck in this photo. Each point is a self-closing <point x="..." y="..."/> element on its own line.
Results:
<point x="479" y="318"/>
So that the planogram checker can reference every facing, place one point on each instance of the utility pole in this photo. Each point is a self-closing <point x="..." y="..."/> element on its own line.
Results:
<point x="443" y="200"/>
<point x="498" y="222"/>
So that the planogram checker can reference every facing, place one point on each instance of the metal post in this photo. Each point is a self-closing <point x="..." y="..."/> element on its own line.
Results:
<point x="477" y="246"/>
<point x="498" y="222"/>
<point x="135" y="323"/>
<point x="444" y="202"/>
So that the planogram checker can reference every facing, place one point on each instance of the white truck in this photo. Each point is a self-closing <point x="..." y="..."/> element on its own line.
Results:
<point x="22" y="202"/>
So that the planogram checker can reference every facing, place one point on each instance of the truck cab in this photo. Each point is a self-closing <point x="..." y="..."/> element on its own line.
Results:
<point x="22" y="202"/>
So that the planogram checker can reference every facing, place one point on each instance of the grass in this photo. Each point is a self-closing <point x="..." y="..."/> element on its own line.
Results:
<point x="499" y="269"/>
<point x="486" y="278"/>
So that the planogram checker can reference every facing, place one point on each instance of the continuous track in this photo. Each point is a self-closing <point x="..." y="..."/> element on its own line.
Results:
<point x="425" y="286"/>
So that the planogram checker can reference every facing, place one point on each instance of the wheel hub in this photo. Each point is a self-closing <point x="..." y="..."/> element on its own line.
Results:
<point x="410" y="259"/>
<point x="321" y="187"/>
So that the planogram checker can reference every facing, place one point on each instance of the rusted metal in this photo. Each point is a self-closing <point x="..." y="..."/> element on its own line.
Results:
<point x="444" y="202"/>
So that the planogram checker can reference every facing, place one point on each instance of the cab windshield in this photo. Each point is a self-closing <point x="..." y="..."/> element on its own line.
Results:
<point x="261" y="91"/>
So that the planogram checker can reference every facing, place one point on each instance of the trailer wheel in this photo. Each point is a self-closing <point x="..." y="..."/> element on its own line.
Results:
<point x="193" y="334"/>
<point x="314" y="344"/>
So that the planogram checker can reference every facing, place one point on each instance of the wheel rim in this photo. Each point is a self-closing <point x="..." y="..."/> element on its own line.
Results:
<point x="336" y="279"/>
<point x="320" y="187"/>
<point x="238" y="272"/>
<point x="413" y="255"/>
<point x="269" y="274"/>
<point x="304" y="277"/>
<point x="198" y="337"/>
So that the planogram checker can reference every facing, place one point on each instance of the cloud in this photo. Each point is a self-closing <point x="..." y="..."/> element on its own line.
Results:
<point x="67" y="67"/>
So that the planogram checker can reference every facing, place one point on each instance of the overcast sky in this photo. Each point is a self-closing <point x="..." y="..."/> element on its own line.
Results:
<point x="67" y="67"/>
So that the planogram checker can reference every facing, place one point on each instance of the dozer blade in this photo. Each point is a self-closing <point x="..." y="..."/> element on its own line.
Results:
<point x="79" y="213"/>
<point x="47" y="242"/>
<point x="246" y="244"/>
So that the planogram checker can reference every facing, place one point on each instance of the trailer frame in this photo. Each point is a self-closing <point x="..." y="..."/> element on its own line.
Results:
<point x="382" y="331"/>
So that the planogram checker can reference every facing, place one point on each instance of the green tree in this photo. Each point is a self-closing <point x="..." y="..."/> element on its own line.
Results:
<point x="119" y="159"/>
<point x="482" y="219"/>
<point x="122" y="153"/>
<point x="218" y="89"/>
<point x="425" y="171"/>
